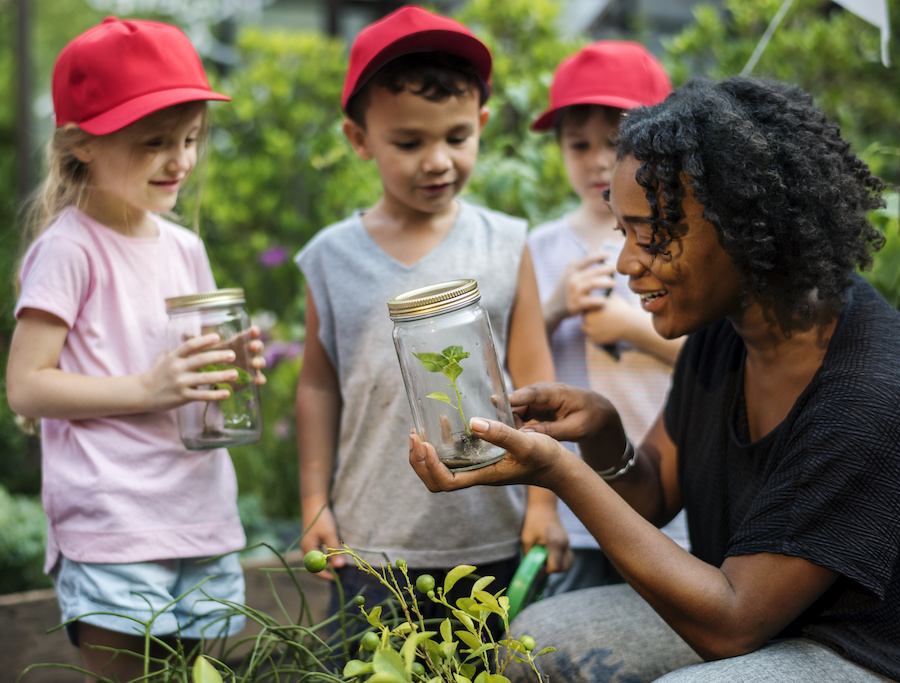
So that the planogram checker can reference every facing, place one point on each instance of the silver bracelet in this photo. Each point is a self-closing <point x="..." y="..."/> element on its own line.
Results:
<point x="629" y="457"/>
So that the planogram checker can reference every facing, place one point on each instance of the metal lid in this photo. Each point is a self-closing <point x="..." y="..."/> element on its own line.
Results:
<point x="222" y="297"/>
<point x="434" y="299"/>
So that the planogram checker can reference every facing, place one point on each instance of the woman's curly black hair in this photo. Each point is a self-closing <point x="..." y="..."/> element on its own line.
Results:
<point x="785" y="192"/>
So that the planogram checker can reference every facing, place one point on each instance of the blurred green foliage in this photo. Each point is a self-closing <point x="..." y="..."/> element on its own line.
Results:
<point x="280" y="169"/>
<point x="829" y="52"/>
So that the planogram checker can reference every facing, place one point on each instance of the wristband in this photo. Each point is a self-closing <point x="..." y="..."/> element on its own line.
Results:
<point x="629" y="457"/>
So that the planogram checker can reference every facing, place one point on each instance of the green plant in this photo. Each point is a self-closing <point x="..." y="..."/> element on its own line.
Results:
<point x="392" y="642"/>
<point x="447" y="362"/>
<point x="461" y="650"/>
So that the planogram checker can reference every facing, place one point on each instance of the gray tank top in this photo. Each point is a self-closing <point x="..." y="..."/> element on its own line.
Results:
<point x="380" y="504"/>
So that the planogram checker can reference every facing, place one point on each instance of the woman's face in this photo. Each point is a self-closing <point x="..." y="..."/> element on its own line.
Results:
<point x="692" y="286"/>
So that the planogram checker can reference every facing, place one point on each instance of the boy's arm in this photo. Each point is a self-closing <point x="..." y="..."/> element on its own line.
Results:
<point x="318" y="411"/>
<point x="529" y="360"/>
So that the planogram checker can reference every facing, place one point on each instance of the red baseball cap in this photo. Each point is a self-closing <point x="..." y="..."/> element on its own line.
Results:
<point x="408" y="30"/>
<point x="612" y="73"/>
<point x="120" y="71"/>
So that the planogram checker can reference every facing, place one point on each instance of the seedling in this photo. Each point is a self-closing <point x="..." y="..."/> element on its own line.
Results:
<point x="447" y="362"/>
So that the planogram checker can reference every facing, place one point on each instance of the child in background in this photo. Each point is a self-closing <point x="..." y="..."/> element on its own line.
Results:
<point x="414" y="99"/>
<point x="599" y="336"/>
<point x="132" y="515"/>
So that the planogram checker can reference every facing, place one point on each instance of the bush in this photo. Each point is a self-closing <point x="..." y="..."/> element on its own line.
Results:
<point x="23" y="533"/>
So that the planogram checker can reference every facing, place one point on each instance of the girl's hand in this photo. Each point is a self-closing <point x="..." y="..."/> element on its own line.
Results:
<point x="175" y="377"/>
<point x="257" y="360"/>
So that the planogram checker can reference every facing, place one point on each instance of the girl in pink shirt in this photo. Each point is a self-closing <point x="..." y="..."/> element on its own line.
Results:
<point x="131" y="513"/>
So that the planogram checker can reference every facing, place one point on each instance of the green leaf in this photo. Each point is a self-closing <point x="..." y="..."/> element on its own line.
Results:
<point x="469" y="639"/>
<point x="408" y="651"/>
<point x="388" y="666"/>
<point x="453" y="352"/>
<point x="455" y="575"/>
<point x="465" y="619"/>
<point x="488" y="600"/>
<point x="374" y="617"/>
<point x="204" y="672"/>
<point x="440" y="396"/>
<point x="356" y="667"/>
<point x="446" y="632"/>
<point x="485" y="677"/>
<point x="433" y="362"/>
<point x="482" y="582"/>
<point x="452" y="371"/>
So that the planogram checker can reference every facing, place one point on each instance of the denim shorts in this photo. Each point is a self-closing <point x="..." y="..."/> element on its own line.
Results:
<point x="163" y="596"/>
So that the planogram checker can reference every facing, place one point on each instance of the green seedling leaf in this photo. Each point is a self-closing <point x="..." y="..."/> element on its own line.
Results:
<point x="440" y="396"/>
<point x="455" y="575"/>
<point x="545" y="651"/>
<point x="433" y="362"/>
<point x="455" y="353"/>
<point x="452" y="371"/>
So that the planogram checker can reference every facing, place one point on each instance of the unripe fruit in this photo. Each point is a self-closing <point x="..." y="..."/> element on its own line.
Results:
<point x="425" y="583"/>
<point x="527" y="642"/>
<point x="370" y="641"/>
<point x="315" y="561"/>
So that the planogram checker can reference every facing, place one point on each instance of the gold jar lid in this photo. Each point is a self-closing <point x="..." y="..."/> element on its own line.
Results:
<point x="221" y="297"/>
<point x="433" y="299"/>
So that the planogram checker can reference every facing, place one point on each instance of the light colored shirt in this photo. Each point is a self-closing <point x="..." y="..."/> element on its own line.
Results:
<point x="123" y="488"/>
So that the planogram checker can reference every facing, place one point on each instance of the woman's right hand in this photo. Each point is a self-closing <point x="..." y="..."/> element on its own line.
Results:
<point x="530" y="458"/>
<point x="175" y="377"/>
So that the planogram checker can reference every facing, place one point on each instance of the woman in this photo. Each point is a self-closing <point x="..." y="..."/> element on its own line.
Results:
<point x="744" y="214"/>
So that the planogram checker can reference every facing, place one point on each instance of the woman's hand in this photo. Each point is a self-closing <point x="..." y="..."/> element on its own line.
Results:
<point x="531" y="458"/>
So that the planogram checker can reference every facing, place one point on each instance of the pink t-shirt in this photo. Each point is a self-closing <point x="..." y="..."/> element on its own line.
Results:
<point x="124" y="489"/>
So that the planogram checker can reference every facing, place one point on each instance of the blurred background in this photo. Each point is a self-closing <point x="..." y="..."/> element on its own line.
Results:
<point x="279" y="168"/>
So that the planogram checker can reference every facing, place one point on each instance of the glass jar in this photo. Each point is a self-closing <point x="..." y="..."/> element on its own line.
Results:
<point x="235" y="420"/>
<point x="450" y="368"/>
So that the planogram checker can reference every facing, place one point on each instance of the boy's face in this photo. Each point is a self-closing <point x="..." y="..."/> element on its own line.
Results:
<point x="425" y="151"/>
<point x="589" y="154"/>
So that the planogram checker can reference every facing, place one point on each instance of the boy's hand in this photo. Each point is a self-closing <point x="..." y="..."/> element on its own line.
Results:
<point x="320" y="535"/>
<point x="582" y="286"/>
<point x="614" y="320"/>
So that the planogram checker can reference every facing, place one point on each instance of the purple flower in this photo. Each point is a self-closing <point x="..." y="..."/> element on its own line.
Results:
<point x="273" y="257"/>
<point x="276" y="351"/>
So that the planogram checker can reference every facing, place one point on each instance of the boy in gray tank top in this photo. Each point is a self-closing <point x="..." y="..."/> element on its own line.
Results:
<point x="414" y="99"/>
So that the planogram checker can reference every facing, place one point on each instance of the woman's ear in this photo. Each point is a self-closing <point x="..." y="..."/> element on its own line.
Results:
<point x="356" y="134"/>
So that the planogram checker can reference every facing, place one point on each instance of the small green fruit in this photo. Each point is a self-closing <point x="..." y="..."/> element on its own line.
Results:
<point x="359" y="601"/>
<point x="315" y="561"/>
<point x="527" y="642"/>
<point x="425" y="583"/>
<point x="370" y="641"/>
<point x="418" y="669"/>
<point x="401" y="564"/>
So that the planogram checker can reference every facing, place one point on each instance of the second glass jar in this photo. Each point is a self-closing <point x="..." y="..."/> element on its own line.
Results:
<point x="450" y="368"/>
<point x="237" y="419"/>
